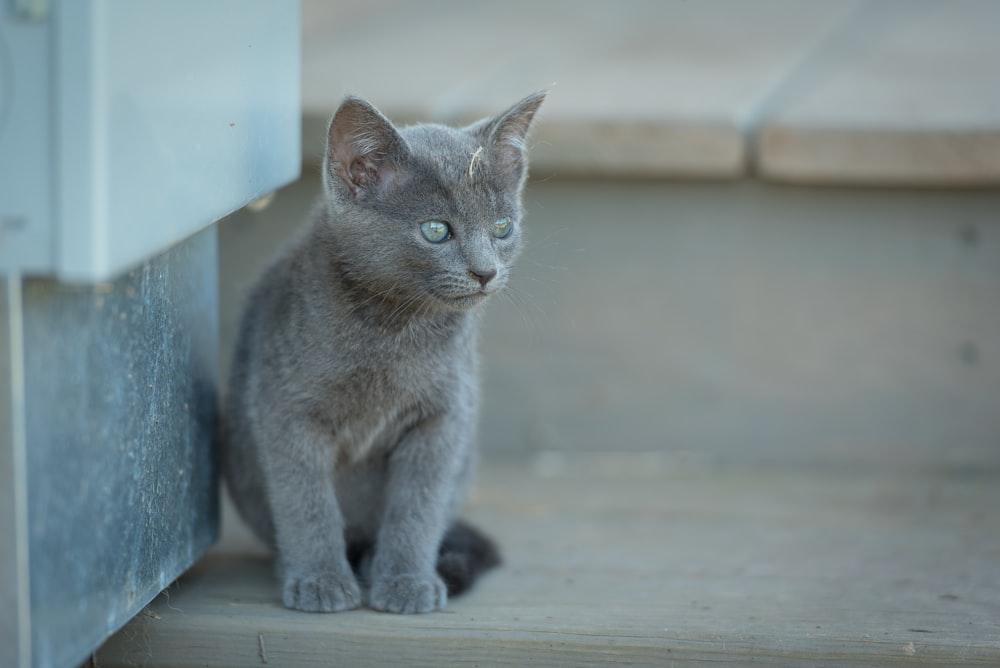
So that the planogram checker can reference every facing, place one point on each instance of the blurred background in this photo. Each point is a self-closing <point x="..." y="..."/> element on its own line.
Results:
<point x="742" y="397"/>
<point x="759" y="234"/>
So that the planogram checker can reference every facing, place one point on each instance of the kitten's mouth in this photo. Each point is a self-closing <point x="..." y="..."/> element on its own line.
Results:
<point x="466" y="302"/>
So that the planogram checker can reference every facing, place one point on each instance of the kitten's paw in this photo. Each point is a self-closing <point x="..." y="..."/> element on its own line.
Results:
<point x="408" y="594"/>
<point x="325" y="592"/>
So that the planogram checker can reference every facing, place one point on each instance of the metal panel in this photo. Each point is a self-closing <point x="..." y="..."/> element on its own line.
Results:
<point x="128" y="125"/>
<point x="192" y="111"/>
<point x="15" y="641"/>
<point x="119" y="414"/>
<point x="25" y="145"/>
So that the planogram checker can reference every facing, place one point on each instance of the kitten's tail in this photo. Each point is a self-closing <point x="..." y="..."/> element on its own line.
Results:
<point x="464" y="555"/>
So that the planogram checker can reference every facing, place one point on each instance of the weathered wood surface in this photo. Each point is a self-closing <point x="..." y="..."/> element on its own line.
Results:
<point x="638" y="567"/>
<point x="637" y="87"/>
<point x="739" y="323"/>
<point x="852" y="91"/>
<point x="819" y="328"/>
<point x="778" y="404"/>
<point x="907" y="93"/>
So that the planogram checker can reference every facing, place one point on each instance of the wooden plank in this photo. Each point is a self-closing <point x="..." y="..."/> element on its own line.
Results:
<point x="605" y="568"/>
<point x="909" y="95"/>
<point x="761" y="410"/>
<point x="751" y="324"/>
<point x="644" y="87"/>
<point x="737" y="323"/>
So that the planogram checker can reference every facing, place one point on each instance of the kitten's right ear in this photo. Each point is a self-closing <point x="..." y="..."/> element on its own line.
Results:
<point x="506" y="136"/>
<point x="364" y="152"/>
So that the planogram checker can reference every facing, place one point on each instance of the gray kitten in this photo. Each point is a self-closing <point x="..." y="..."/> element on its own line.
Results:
<point x="350" y="421"/>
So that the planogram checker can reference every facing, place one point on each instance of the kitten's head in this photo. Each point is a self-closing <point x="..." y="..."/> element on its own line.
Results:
<point x="428" y="215"/>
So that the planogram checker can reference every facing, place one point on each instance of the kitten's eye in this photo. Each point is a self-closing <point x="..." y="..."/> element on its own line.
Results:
<point x="435" y="231"/>
<point x="502" y="228"/>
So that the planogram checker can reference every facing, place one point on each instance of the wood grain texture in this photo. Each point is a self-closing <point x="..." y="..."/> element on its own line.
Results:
<point x="908" y="93"/>
<point x="852" y="91"/>
<point x="737" y="323"/>
<point x="606" y="568"/>
<point x="642" y="87"/>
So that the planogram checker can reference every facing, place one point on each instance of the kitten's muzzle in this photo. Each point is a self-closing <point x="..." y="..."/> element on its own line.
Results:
<point x="483" y="276"/>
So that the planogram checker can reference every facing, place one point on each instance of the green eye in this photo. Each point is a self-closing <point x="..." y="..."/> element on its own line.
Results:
<point x="435" y="231"/>
<point x="502" y="228"/>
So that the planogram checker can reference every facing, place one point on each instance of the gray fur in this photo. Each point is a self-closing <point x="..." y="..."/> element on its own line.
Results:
<point x="353" y="398"/>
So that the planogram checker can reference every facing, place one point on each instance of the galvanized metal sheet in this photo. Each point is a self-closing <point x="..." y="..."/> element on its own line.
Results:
<point x="120" y="406"/>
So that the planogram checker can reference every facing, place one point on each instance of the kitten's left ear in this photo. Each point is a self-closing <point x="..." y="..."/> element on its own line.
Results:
<point x="364" y="151"/>
<point x="506" y="136"/>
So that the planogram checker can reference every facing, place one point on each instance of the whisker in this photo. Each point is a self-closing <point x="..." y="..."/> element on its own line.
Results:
<point x="550" y="237"/>
<point x="550" y="267"/>
<point x="526" y="307"/>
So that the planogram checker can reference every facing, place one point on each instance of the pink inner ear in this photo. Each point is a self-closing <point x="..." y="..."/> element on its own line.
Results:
<point x="361" y="173"/>
<point x="364" y="174"/>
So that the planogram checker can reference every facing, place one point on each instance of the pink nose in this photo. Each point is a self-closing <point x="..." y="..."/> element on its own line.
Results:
<point x="483" y="277"/>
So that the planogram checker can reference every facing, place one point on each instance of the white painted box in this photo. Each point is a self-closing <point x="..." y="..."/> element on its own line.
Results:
<point x="129" y="125"/>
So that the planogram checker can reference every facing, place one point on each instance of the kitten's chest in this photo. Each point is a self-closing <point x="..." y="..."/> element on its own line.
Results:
<point x="375" y="405"/>
<point x="361" y="436"/>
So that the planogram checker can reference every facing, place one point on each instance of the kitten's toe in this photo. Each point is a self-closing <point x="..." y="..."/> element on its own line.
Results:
<point x="321" y="593"/>
<point x="408" y="594"/>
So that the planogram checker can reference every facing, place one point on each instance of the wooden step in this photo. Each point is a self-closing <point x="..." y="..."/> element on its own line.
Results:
<point x="613" y="560"/>
<point x="805" y="91"/>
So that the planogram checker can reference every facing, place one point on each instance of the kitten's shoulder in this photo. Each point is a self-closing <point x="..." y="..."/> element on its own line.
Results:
<point x="280" y="295"/>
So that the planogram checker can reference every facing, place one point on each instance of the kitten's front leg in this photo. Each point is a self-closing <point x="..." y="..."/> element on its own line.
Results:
<point x="312" y="558"/>
<point x="424" y="472"/>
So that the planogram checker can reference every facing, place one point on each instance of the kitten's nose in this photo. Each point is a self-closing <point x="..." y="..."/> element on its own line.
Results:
<point x="483" y="277"/>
